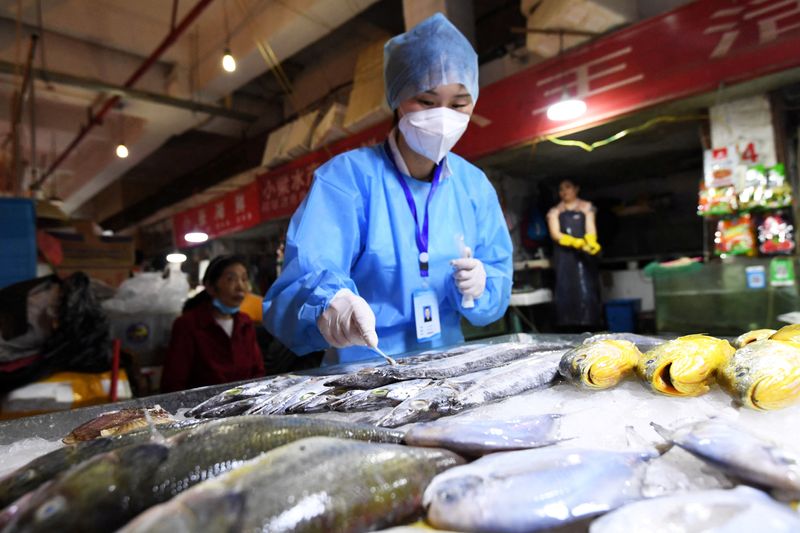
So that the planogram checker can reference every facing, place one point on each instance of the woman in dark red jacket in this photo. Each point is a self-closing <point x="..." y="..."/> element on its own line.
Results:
<point x="212" y="342"/>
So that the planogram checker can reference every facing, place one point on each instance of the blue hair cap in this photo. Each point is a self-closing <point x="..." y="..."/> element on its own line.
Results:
<point x="431" y="54"/>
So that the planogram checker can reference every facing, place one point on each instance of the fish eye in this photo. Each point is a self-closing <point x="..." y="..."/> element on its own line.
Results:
<point x="419" y="405"/>
<point x="50" y="507"/>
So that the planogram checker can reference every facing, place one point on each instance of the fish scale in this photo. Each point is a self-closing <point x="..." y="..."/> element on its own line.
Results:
<point x="316" y="484"/>
<point x="40" y="470"/>
<point x="108" y="490"/>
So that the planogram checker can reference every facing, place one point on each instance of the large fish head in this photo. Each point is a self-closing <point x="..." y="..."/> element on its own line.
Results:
<point x="752" y="336"/>
<point x="214" y="510"/>
<point x="609" y="362"/>
<point x="778" y="388"/>
<point x="600" y="364"/>
<point x="787" y="333"/>
<point x="91" y="495"/>
<point x="429" y="404"/>
<point x="454" y="495"/>
<point x="682" y="367"/>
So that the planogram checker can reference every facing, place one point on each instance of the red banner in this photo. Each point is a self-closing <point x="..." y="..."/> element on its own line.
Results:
<point x="284" y="188"/>
<point x="688" y="51"/>
<point x="232" y="212"/>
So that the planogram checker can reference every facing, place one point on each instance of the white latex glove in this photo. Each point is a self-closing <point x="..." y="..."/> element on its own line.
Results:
<point x="348" y="321"/>
<point x="470" y="276"/>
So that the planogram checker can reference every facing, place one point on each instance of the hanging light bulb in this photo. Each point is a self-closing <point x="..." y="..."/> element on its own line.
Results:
<point x="196" y="236"/>
<point x="566" y="109"/>
<point x="228" y="62"/>
<point x="122" y="151"/>
<point x="176" y="257"/>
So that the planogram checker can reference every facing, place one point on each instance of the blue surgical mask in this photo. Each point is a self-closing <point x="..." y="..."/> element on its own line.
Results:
<point x="225" y="309"/>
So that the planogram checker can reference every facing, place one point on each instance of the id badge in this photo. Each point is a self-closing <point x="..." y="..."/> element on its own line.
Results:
<point x="426" y="315"/>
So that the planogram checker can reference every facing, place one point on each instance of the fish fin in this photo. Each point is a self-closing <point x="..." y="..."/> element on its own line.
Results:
<point x="637" y="441"/>
<point x="665" y="434"/>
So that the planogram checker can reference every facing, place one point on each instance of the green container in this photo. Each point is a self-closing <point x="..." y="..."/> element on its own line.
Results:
<point x="722" y="298"/>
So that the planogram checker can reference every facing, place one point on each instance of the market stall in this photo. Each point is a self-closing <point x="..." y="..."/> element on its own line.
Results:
<point x="571" y="440"/>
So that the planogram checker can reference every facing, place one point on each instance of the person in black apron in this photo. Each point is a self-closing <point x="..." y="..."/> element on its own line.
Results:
<point x="572" y="228"/>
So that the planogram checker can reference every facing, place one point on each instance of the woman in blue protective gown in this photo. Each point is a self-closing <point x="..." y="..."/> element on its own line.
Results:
<point x="394" y="243"/>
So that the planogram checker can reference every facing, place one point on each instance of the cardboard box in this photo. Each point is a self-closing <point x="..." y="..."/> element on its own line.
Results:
<point x="298" y="142"/>
<point x="330" y="128"/>
<point x="597" y="16"/>
<point x="91" y="251"/>
<point x="367" y="104"/>
<point x="274" y="152"/>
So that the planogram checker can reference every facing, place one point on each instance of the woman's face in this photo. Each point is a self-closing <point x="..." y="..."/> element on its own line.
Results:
<point x="454" y="96"/>
<point x="231" y="286"/>
<point x="567" y="191"/>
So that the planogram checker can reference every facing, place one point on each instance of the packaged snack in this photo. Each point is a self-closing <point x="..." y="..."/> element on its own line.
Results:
<point x="778" y="192"/>
<point x="735" y="236"/>
<point x="717" y="201"/>
<point x="776" y="234"/>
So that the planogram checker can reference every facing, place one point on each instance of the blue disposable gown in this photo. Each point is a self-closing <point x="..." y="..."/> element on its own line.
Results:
<point x="355" y="230"/>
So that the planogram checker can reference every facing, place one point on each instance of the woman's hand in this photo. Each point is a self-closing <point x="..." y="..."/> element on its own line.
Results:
<point x="348" y="321"/>
<point x="470" y="276"/>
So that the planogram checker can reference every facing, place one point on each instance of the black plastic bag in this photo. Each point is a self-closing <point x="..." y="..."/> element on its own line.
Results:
<point x="81" y="341"/>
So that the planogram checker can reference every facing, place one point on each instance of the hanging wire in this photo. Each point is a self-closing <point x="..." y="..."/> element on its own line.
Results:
<point x="227" y="27"/>
<point x="268" y="55"/>
<point x="624" y="133"/>
<point x="40" y="23"/>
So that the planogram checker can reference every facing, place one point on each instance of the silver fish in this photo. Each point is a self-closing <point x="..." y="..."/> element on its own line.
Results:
<point x="316" y="484"/>
<point x="457" y="365"/>
<point x="278" y="402"/>
<point x="479" y="437"/>
<point x="537" y="371"/>
<point x="532" y="490"/>
<point x="740" y="510"/>
<point x="254" y="389"/>
<point x="429" y="404"/>
<point x="385" y="396"/>
<point x="453" y="395"/>
<point x="737" y="452"/>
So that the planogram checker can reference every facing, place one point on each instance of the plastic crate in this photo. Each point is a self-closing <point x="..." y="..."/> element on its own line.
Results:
<point x="17" y="240"/>
<point x="621" y="315"/>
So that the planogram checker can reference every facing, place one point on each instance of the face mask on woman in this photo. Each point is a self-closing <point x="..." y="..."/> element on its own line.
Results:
<point x="432" y="133"/>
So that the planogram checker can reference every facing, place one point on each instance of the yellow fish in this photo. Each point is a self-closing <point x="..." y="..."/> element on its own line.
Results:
<point x="599" y="365"/>
<point x="787" y="333"/>
<point x="764" y="375"/>
<point x="684" y="366"/>
<point x="752" y="336"/>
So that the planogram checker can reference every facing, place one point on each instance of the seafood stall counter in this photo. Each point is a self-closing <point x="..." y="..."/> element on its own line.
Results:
<point x="567" y="433"/>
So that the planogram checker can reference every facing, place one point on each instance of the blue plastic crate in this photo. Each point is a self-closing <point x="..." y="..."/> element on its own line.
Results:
<point x="621" y="315"/>
<point x="17" y="240"/>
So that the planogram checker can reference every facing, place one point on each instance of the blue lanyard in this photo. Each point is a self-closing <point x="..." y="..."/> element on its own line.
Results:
<point x="421" y="235"/>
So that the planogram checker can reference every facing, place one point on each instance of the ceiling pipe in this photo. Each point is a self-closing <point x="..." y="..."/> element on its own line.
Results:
<point x="96" y="118"/>
<point x="61" y="78"/>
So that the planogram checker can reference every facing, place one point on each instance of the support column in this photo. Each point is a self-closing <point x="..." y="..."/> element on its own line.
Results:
<point x="459" y="12"/>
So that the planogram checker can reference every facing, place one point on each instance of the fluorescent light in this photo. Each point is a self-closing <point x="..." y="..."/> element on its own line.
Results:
<point x="122" y="151"/>
<point x="228" y="62"/>
<point x="176" y="258"/>
<point x="196" y="236"/>
<point x="567" y="109"/>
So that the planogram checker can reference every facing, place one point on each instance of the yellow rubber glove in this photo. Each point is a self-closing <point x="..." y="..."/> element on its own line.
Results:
<point x="571" y="242"/>
<point x="592" y="247"/>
